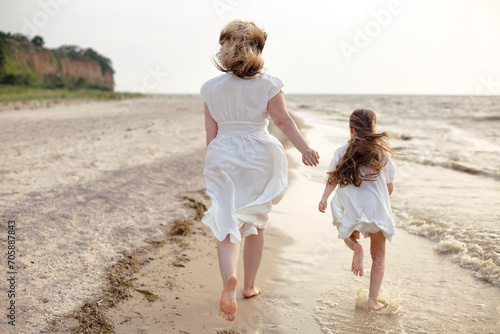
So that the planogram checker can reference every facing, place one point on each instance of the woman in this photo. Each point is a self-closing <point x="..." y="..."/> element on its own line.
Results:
<point x="246" y="167"/>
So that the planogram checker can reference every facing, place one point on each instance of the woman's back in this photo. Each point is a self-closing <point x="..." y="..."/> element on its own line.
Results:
<point x="233" y="99"/>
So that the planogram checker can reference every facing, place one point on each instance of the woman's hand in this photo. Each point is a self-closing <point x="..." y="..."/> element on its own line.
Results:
<point x="322" y="205"/>
<point x="310" y="157"/>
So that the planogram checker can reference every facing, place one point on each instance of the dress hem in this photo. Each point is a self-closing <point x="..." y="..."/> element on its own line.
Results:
<point x="363" y="227"/>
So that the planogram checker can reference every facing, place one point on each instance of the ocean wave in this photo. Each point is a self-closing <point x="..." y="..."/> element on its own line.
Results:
<point x="487" y="118"/>
<point x="311" y="107"/>
<point x="471" y="249"/>
<point x="458" y="166"/>
<point x="400" y="136"/>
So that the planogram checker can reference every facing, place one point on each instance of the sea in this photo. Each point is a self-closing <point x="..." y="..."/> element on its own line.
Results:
<point x="443" y="265"/>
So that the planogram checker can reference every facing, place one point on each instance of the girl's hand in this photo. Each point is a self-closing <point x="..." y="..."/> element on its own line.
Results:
<point x="322" y="205"/>
<point x="310" y="157"/>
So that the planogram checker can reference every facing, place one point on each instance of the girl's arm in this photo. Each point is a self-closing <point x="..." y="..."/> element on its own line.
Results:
<point x="210" y="126"/>
<point x="328" y="190"/>
<point x="390" y="187"/>
<point x="280" y="116"/>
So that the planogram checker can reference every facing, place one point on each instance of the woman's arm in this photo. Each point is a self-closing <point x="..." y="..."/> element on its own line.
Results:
<point x="280" y="116"/>
<point x="210" y="126"/>
<point x="390" y="187"/>
<point x="328" y="190"/>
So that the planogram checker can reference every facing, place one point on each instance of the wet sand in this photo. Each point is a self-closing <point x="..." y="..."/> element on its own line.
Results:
<point x="87" y="182"/>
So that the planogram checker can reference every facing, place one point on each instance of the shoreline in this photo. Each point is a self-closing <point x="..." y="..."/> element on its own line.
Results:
<point x="415" y="274"/>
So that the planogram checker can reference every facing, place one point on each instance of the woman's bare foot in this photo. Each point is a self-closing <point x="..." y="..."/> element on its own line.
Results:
<point x="228" y="304"/>
<point x="248" y="292"/>
<point x="377" y="306"/>
<point x="357" y="260"/>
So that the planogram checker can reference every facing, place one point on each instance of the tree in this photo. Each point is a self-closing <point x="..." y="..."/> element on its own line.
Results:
<point x="38" y="41"/>
<point x="103" y="61"/>
<point x="75" y="52"/>
<point x="18" y="37"/>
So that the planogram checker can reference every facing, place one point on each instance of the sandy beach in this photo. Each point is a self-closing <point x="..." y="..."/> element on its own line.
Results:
<point x="87" y="182"/>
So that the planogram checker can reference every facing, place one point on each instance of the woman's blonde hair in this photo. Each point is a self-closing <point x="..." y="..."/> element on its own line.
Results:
<point x="241" y="48"/>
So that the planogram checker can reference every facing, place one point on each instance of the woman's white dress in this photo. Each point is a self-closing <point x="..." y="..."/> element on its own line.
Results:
<point x="366" y="208"/>
<point x="246" y="167"/>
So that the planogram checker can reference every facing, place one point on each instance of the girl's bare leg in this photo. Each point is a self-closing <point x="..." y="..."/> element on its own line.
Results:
<point x="252" y="255"/>
<point x="228" y="260"/>
<point x="377" y="250"/>
<point x="357" y="258"/>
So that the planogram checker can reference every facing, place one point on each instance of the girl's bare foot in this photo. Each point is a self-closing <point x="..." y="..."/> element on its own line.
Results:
<point x="377" y="306"/>
<point x="228" y="304"/>
<point x="357" y="260"/>
<point x="248" y="292"/>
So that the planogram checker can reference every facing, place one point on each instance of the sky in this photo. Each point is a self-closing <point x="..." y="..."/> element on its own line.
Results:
<point x="314" y="46"/>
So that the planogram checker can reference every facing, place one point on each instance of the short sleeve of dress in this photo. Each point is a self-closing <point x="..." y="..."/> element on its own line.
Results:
<point x="333" y="164"/>
<point x="389" y="171"/>
<point x="203" y="91"/>
<point x="275" y="86"/>
<point x="336" y="158"/>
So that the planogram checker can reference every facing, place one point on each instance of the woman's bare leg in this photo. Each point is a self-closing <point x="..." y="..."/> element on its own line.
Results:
<point x="377" y="250"/>
<point x="357" y="258"/>
<point x="228" y="261"/>
<point x="252" y="255"/>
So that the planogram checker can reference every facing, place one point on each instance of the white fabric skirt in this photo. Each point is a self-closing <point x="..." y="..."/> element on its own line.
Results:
<point x="245" y="174"/>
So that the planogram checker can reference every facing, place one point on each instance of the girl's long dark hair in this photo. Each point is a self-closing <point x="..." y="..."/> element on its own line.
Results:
<point x="366" y="154"/>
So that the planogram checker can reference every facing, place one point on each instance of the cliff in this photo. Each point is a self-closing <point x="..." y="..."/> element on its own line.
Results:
<point x="24" y="63"/>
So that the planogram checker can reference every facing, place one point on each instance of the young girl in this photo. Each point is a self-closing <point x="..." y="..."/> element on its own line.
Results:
<point x="246" y="167"/>
<point x="364" y="172"/>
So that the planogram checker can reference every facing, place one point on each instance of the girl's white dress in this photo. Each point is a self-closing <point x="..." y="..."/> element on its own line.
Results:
<point x="366" y="208"/>
<point x="246" y="167"/>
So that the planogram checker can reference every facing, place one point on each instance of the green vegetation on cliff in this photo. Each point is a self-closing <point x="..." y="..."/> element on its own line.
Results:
<point x="28" y="63"/>
<point x="77" y="53"/>
<point x="25" y="94"/>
